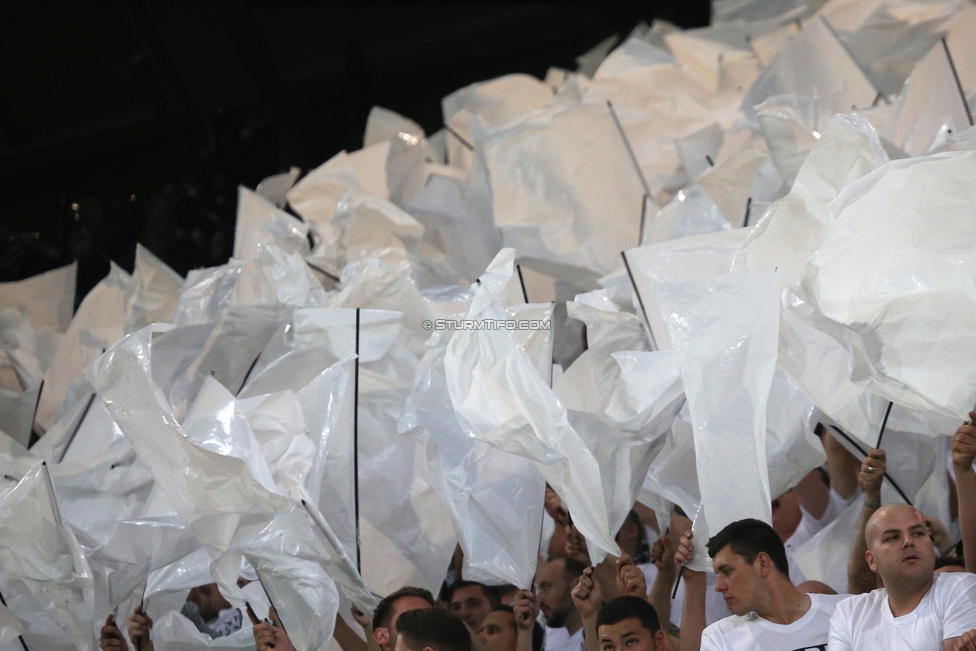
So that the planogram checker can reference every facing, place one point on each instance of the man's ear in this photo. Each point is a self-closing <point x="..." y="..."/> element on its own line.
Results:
<point x="660" y="640"/>
<point x="869" y="557"/>
<point x="382" y="636"/>
<point x="765" y="564"/>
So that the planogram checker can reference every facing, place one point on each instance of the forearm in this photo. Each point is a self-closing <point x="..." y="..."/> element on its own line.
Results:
<point x="842" y="466"/>
<point x="606" y="574"/>
<point x="813" y="494"/>
<point x="860" y="578"/>
<point x="660" y="594"/>
<point x="589" y="632"/>
<point x="347" y="638"/>
<point x="966" y="496"/>
<point x="693" y="610"/>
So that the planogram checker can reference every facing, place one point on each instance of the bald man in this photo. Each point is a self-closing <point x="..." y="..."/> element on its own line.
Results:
<point x="917" y="609"/>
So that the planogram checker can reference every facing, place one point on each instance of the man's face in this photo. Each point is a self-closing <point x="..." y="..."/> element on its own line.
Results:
<point x="739" y="582"/>
<point x="629" y="635"/>
<point x="386" y="637"/>
<point x="203" y="597"/>
<point x="786" y="515"/>
<point x="553" y="590"/>
<point x="899" y="547"/>
<point x="471" y="605"/>
<point x="497" y="631"/>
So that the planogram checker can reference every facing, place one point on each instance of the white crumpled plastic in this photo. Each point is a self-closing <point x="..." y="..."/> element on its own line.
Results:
<point x="273" y="277"/>
<point x="500" y="398"/>
<point x="46" y="299"/>
<point x="564" y="190"/>
<point x="792" y="449"/>
<point x="152" y="292"/>
<point x="10" y="625"/>
<point x="494" y="102"/>
<point x="895" y="285"/>
<point x="684" y="259"/>
<point x="837" y="82"/>
<point x="260" y="222"/>
<point x="725" y="331"/>
<point x="98" y="323"/>
<point x="42" y="554"/>
<point x="174" y="632"/>
<point x="929" y="107"/>
<point x="17" y="412"/>
<point x="365" y="226"/>
<point x="794" y="227"/>
<point x="216" y="496"/>
<point x="494" y="496"/>
<point x="303" y="595"/>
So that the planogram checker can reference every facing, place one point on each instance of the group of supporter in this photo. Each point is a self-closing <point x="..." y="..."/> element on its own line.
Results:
<point x="911" y="584"/>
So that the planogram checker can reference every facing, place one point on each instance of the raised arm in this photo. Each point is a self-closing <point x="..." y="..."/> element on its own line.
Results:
<point x="588" y="601"/>
<point x="842" y="466"/>
<point x="963" y="453"/>
<point x="860" y="578"/>
<point x="693" y="609"/>
<point x="662" y="551"/>
<point x="526" y="608"/>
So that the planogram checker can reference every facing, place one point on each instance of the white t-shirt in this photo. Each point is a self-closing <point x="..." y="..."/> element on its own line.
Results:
<point x="559" y="639"/>
<point x="865" y="621"/>
<point x="753" y="632"/>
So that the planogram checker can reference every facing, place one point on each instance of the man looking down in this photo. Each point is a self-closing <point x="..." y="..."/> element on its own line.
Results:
<point x="753" y="576"/>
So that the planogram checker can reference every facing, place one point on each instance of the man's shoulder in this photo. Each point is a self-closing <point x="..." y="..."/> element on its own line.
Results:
<point x="827" y="602"/>
<point x="954" y="580"/>
<point x="850" y="603"/>
<point x="728" y="624"/>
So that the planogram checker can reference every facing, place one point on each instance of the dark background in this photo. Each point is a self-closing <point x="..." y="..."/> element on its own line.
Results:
<point x="130" y="120"/>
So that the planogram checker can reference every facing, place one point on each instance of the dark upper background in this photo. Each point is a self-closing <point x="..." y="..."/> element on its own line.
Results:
<point x="125" y="121"/>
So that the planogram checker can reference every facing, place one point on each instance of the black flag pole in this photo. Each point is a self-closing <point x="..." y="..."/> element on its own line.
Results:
<point x="355" y="449"/>
<point x="637" y="168"/>
<point x="864" y="453"/>
<point x="955" y="75"/>
<point x="37" y="403"/>
<point x="884" y="423"/>
<point x="77" y="427"/>
<point x="50" y="494"/>
<point x="640" y="301"/>
<point x="525" y="295"/>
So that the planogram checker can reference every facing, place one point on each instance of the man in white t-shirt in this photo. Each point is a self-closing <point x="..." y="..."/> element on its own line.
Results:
<point x="554" y="585"/>
<point x="753" y="577"/>
<point x="917" y="609"/>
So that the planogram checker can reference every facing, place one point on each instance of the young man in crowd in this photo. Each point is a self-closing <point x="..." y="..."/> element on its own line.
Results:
<point x="632" y="586"/>
<point x="753" y="576"/>
<point x="500" y="631"/>
<point x="629" y="624"/>
<point x="917" y="608"/>
<point x="473" y="601"/>
<point x="555" y="581"/>
<point x="432" y="629"/>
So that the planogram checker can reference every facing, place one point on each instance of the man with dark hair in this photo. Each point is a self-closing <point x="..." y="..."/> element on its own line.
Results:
<point x="432" y="629"/>
<point x="388" y="611"/>
<point x="500" y="632"/>
<point x="753" y="576"/>
<point x="629" y="624"/>
<point x="555" y="581"/>
<point x="473" y="601"/>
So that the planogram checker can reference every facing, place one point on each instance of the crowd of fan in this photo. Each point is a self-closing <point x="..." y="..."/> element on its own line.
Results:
<point x="910" y="585"/>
